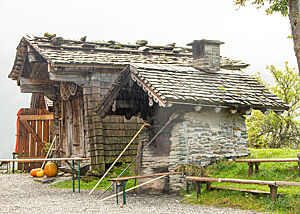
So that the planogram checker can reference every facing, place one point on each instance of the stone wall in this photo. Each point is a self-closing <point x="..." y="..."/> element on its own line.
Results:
<point x="200" y="137"/>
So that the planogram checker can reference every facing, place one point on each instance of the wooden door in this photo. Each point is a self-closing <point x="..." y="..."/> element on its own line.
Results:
<point x="33" y="135"/>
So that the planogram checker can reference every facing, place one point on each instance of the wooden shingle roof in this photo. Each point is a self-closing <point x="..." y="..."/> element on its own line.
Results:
<point x="169" y="84"/>
<point x="60" y="52"/>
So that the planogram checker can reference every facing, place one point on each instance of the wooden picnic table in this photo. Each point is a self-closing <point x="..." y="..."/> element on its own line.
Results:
<point x="28" y="160"/>
<point x="256" y="163"/>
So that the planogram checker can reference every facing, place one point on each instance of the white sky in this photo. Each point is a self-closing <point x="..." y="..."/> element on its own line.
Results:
<point x="249" y="35"/>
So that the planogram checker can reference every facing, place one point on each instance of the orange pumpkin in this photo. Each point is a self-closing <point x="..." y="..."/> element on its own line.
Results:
<point x="34" y="171"/>
<point x="50" y="169"/>
<point x="40" y="173"/>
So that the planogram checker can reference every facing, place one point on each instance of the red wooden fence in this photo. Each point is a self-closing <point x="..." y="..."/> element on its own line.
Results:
<point x="33" y="133"/>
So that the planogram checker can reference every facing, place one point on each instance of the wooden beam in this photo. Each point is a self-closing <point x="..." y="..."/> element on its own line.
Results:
<point x="28" y="81"/>
<point x="268" y="160"/>
<point x="37" y="117"/>
<point x="32" y="132"/>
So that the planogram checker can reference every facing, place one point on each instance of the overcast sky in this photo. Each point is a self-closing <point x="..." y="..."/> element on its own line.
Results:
<point x="249" y="35"/>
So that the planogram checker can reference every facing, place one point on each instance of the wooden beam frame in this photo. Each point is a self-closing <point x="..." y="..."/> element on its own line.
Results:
<point x="32" y="132"/>
<point x="37" y="117"/>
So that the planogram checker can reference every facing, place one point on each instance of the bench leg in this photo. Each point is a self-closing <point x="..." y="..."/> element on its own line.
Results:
<point x="124" y="193"/>
<point x="198" y="188"/>
<point x="79" y="176"/>
<point x="187" y="187"/>
<point x="117" y="186"/>
<point x="273" y="191"/>
<point x="208" y="186"/>
<point x="256" y="167"/>
<point x="299" y="167"/>
<point x="73" y="174"/>
<point x="250" y="169"/>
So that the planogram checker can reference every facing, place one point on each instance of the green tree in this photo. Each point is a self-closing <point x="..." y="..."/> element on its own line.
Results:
<point x="273" y="130"/>
<point x="285" y="7"/>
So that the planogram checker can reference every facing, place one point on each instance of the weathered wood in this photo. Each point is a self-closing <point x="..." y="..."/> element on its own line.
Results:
<point x="20" y="134"/>
<point x="257" y="162"/>
<point x="285" y="183"/>
<point x="32" y="132"/>
<point x="33" y="145"/>
<point x="122" y="179"/>
<point x="37" y="117"/>
<point x="238" y="189"/>
<point x="273" y="191"/>
<point x="268" y="160"/>
<point x="29" y="160"/>
<point x="198" y="188"/>
<point x="229" y="180"/>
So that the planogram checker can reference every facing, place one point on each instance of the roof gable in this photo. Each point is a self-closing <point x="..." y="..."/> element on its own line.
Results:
<point x="69" y="53"/>
<point x="169" y="84"/>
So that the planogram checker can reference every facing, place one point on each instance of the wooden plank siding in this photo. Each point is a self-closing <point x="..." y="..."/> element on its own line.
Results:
<point x="32" y="136"/>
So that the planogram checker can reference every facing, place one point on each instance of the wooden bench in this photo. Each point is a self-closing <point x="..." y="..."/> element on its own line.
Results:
<point x="52" y="159"/>
<point x="256" y="163"/>
<point x="121" y="181"/>
<point x="273" y="185"/>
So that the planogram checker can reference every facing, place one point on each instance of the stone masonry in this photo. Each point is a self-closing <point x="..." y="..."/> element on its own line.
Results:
<point x="205" y="136"/>
<point x="199" y="137"/>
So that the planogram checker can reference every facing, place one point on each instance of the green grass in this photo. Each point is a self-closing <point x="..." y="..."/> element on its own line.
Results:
<point x="288" y="203"/>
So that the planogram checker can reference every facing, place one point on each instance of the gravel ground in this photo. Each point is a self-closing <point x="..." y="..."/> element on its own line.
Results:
<point x="20" y="194"/>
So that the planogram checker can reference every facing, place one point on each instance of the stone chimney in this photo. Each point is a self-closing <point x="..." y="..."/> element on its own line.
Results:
<point x="206" y="54"/>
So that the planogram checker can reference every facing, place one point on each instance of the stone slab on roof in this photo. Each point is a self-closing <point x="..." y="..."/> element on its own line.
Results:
<point x="186" y="85"/>
<point x="65" y="52"/>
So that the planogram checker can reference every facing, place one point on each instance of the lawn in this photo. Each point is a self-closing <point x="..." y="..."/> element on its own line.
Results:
<point x="288" y="203"/>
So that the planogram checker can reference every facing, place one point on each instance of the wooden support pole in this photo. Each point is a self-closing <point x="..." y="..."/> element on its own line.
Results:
<point x="111" y="166"/>
<point x="208" y="186"/>
<point x="250" y="169"/>
<point x="273" y="191"/>
<point x="299" y="167"/>
<point x="198" y="188"/>
<point x="257" y="167"/>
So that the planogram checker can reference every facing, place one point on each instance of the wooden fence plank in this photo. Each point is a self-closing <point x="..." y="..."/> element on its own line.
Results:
<point x="37" y="117"/>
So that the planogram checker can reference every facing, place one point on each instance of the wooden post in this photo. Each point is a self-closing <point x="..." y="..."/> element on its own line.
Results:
<point x="299" y="167"/>
<point x="256" y="167"/>
<point x="208" y="186"/>
<point x="198" y="188"/>
<point x="250" y="169"/>
<point x="273" y="191"/>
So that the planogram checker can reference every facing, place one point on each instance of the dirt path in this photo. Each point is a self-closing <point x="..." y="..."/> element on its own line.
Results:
<point x="20" y="194"/>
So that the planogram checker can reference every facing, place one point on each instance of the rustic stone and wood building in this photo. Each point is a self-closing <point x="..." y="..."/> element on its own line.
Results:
<point x="141" y="82"/>
<point x="212" y="103"/>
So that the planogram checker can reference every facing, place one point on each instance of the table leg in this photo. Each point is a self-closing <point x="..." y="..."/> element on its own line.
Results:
<point x="79" y="176"/>
<point x="198" y="188"/>
<point x="117" y="192"/>
<point x="187" y="187"/>
<point x="124" y="193"/>
<point x="13" y="164"/>
<point x="250" y="169"/>
<point x="73" y="175"/>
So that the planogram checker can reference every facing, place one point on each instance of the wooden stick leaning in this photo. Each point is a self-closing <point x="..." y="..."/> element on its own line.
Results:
<point x="134" y="187"/>
<point x="143" y="126"/>
<point x="172" y="117"/>
<point x="49" y="151"/>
